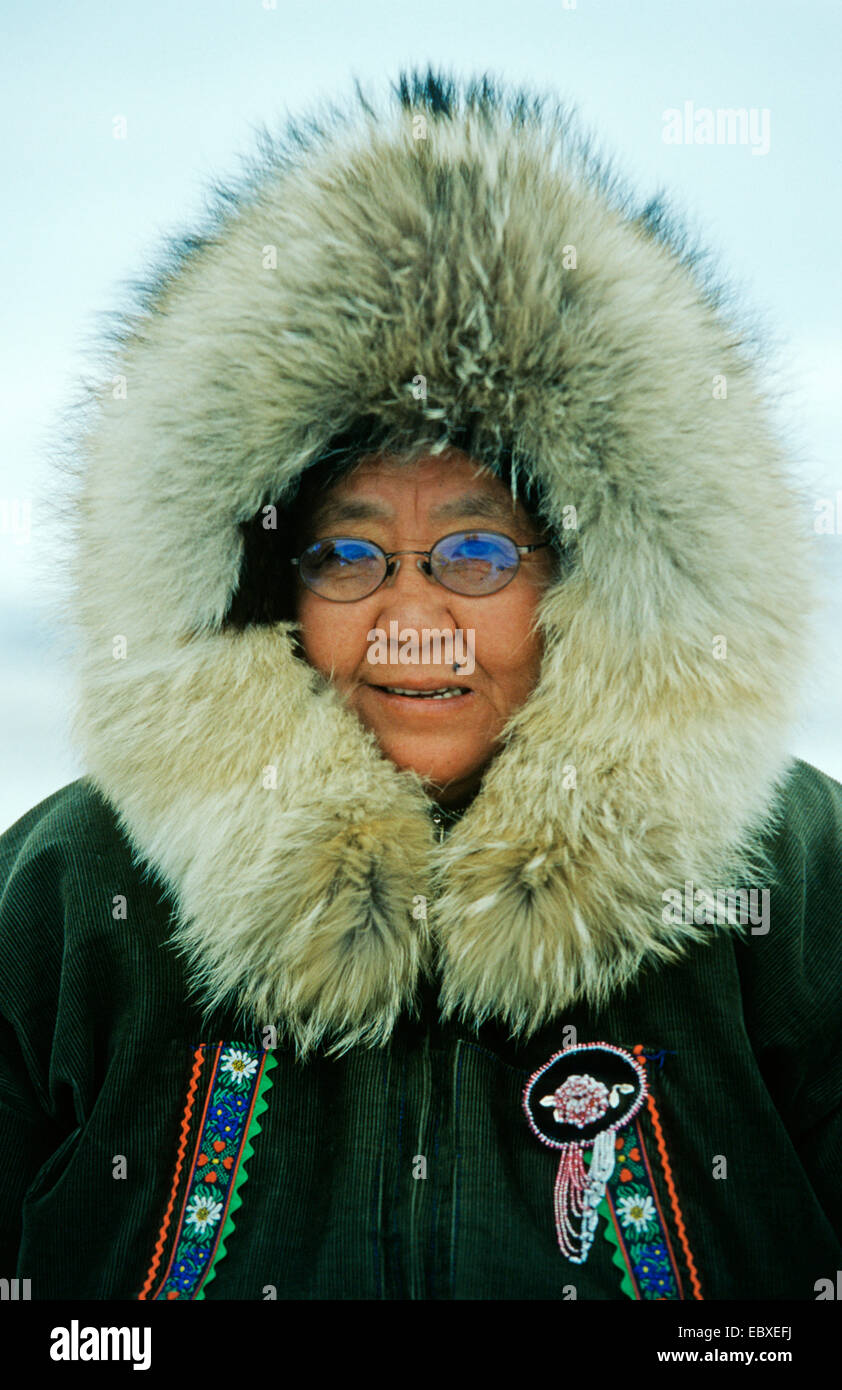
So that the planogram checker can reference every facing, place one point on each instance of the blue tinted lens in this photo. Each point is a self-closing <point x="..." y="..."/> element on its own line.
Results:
<point x="475" y="562"/>
<point x="342" y="567"/>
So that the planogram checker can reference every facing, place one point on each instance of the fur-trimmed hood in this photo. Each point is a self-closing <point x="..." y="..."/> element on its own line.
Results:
<point x="464" y="235"/>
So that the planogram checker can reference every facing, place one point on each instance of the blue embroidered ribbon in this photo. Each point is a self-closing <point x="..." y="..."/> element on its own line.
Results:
<point x="635" y="1224"/>
<point x="231" y="1119"/>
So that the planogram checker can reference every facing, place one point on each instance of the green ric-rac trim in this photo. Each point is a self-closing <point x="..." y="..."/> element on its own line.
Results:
<point x="617" y="1257"/>
<point x="260" y="1104"/>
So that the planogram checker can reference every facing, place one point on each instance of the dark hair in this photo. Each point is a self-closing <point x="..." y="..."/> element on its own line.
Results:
<point x="266" y="589"/>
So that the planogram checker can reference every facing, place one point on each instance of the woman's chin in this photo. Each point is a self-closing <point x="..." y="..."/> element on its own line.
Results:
<point x="448" y="755"/>
<point x="447" y="781"/>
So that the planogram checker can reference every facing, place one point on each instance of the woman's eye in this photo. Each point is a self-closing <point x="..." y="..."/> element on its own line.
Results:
<point x="336" y="559"/>
<point x="330" y="559"/>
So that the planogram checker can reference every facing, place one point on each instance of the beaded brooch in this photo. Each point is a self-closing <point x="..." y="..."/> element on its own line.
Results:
<point x="585" y="1101"/>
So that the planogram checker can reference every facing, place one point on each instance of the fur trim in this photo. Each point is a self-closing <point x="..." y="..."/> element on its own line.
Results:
<point x="440" y="256"/>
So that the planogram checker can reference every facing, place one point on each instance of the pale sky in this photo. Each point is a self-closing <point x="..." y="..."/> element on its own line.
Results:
<point x="85" y="213"/>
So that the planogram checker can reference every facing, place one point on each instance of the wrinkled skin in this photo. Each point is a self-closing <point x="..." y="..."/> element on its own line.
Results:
<point x="448" y="742"/>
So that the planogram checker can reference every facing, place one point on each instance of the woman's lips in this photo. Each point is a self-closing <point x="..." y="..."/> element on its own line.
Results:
<point x="424" y="702"/>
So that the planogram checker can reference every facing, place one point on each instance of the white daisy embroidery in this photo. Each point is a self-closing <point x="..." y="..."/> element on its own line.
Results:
<point x="203" y="1212"/>
<point x="635" y="1211"/>
<point x="238" y="1065"/>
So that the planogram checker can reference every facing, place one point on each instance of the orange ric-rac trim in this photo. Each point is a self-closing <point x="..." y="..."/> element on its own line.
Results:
<point x="198" y="1062"/>
<point x="665" y="1163"/>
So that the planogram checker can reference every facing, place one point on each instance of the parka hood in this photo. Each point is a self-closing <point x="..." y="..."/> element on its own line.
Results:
<point x="457" y="259"/>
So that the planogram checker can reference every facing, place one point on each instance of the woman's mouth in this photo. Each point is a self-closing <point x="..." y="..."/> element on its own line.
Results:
<point x="417" y="697"/>
<point x="445" y="692"/>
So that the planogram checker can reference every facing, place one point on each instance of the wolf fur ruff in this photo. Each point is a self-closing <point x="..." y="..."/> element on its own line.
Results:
<point x="358" y="256"/>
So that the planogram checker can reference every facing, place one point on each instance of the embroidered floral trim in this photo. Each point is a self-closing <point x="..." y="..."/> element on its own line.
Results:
<point x="235" y="1101"/>
<point x="635" y="1224"/>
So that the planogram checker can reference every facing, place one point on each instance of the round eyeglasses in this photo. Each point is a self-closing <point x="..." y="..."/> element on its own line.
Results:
<point x="345" y="569"/>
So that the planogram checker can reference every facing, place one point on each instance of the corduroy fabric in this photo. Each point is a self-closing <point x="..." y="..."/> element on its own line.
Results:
<point x="96" y="1054"/>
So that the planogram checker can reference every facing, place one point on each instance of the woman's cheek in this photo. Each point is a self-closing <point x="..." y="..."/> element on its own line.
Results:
<point x="334" y="642"/>
<point x="505" y="644"/>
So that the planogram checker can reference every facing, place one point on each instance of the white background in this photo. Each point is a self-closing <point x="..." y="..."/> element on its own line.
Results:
<point x="84" y="213"/>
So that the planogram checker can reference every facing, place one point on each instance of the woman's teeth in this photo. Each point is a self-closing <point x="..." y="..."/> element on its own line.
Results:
<point x="445" y="693"/>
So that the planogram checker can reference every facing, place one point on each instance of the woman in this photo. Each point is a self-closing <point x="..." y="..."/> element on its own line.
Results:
<point x="503" y="967"/>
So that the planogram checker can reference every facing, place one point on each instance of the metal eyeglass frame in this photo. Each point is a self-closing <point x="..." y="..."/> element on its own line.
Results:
<point x="423" y="564"/>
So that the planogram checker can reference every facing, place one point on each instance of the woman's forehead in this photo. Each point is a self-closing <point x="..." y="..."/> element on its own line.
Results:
<point x="473" y="503"/>
<point x="444" y="486"/>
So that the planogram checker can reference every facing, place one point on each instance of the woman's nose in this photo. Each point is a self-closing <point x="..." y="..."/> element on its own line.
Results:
<point x="421" y="563"/>
<point x="413" y="596"/>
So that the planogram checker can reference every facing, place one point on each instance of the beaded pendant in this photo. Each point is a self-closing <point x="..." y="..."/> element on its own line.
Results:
<point x="576" y="1101"/>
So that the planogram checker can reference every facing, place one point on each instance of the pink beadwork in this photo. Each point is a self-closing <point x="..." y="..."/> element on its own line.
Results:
<point x="570" y="1186"/>
<point x="580" y="1101"/>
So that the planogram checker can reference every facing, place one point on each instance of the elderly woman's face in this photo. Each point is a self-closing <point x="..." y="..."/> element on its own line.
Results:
<point x="410" y="506"/>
